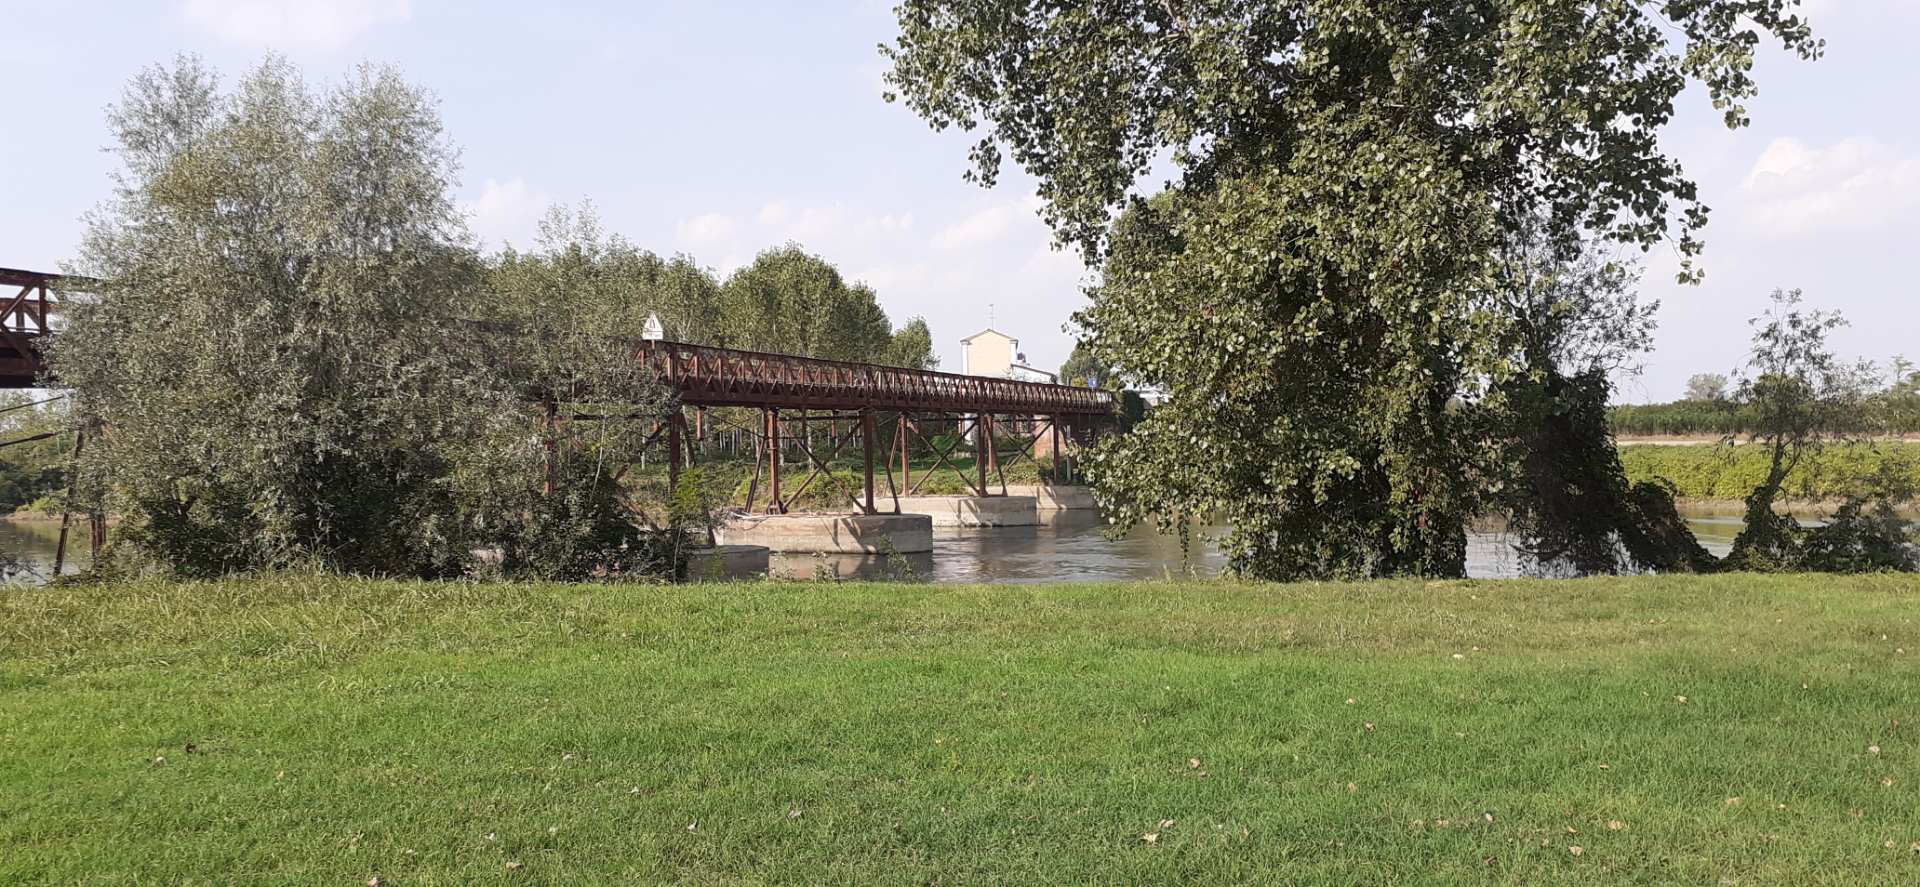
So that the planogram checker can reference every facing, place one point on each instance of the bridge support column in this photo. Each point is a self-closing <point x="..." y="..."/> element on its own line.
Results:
<point x="983" y="444"/>
<point x="906" y="447"/>
<point x="866" y="444"/>
<point x="1053" y="441"/>
<point x="774" y="504"/>
<point x="676" y="442"/>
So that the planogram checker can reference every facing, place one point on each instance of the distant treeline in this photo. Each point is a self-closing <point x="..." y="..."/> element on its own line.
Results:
<point x="1892" y="411"/>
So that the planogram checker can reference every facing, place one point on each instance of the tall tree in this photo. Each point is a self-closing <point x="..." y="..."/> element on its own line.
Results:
<point x="269" y="346"/>
<point x="1082" y="368"/>
<point x="1307" y="288"/>
<point x="1706" y="388"/>
<point x="568" y="313"/>
<point x="1801" y="397"/>
<point x="294" y="359"/>
<point x="913" y="346"/>
<point x="793" y="302"/>
<point x="1576" y="319"/>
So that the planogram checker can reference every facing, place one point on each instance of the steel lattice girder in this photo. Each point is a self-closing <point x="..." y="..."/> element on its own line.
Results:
<point x="706" y="376"/>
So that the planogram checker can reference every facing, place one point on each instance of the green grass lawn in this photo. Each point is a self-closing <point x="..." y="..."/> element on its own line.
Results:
<point x="1731" y="729"/>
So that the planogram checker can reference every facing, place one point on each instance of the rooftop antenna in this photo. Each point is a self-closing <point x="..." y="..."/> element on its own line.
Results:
<point x="989" y="315"/>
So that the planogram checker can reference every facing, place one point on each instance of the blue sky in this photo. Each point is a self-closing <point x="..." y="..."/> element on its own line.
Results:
<point x="723" y="128"/>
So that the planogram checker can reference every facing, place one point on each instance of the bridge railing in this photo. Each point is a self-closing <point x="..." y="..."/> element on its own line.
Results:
<point x="708" y="376"/>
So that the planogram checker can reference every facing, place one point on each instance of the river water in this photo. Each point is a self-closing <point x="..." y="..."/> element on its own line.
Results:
<point x="1068" y="546"/>
<point x="1072" y="546"/>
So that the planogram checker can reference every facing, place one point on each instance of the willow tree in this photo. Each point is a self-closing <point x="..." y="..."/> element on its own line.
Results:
<point x="268" y="346"/>
<point x="289" y="353"/>
<point x="1311" y="286"/>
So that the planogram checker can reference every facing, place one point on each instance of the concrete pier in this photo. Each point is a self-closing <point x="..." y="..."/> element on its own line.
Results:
<point x="831" y="533"/>
<point x="974" y="511"/>
<point x="1055" y="497"/>
<point x="726" y="562"/>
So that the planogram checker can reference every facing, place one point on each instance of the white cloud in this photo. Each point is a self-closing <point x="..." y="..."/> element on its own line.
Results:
<point x="302" y="24"/>
<point x="995" y="256"/>
<point x="710" y="229"/>
<point x="774" y="213"/>
<point x="983" y="227"/>
<point x="507" y="212"/>
<point x="1853" y="184"/>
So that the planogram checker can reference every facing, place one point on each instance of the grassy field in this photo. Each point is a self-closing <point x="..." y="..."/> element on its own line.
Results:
<point x="1730" y="729"/>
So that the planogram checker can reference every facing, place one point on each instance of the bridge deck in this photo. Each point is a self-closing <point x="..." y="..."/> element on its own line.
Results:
<point x="706" y="376"/>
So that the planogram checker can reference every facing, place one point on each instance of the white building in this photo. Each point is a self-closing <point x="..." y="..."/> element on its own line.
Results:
<point x="990" y="352"/>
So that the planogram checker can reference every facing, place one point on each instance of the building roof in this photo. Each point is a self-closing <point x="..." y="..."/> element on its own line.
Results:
<point x="986" y="331"/>
<point x="1038" y="372"/>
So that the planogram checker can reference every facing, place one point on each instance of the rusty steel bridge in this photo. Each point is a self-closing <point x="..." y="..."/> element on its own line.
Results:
<point x="997" y="421"/>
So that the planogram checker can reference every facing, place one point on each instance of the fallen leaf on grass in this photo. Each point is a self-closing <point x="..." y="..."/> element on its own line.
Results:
<point x="1576" y="850"/>
<point x="1151" y="837"/>
<point x="514" y="866"/>
<point x="1733" y="801"/>
<point x="1166" y="824"/>
<point x="1871" y="749"/>
<point x="1616" y="825"/>
<point x="1193" y="763"/>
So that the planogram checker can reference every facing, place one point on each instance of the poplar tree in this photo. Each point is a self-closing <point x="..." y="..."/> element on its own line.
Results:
<point x="1314" y="286"/>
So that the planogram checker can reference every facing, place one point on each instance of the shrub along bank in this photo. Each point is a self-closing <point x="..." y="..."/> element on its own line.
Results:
<point x="1708" y="472"/>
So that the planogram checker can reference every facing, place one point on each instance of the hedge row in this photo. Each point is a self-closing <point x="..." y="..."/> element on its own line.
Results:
<point x="1717" y="472"/>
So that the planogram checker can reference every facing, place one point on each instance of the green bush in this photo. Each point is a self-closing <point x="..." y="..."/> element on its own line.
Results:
<point x="1731" y="473"/>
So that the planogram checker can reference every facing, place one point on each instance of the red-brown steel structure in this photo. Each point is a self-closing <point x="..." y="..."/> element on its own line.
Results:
<point x="787" y="389"/>
<point x="24" y="319"/>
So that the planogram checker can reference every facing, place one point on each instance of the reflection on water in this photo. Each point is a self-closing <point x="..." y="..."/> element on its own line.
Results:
<point x="1068" y="546"/>
<point x="31" y="544"/>
<point x="1071" y="546"/>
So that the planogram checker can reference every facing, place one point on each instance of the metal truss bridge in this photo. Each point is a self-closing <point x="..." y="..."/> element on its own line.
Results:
<point x="996" y="420"/>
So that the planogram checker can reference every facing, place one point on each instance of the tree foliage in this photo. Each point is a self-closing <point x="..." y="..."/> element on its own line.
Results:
<point x="1313" y="289"/>
<point x="292" y="356"/>
<point x="1578" y="320"/>
<point x="790" y="301"/>
<point x="1803" y="398"/>
<point x="1706" y="388"/>
<point x="913" y="346"/>
<point x="1085" y="370"/>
